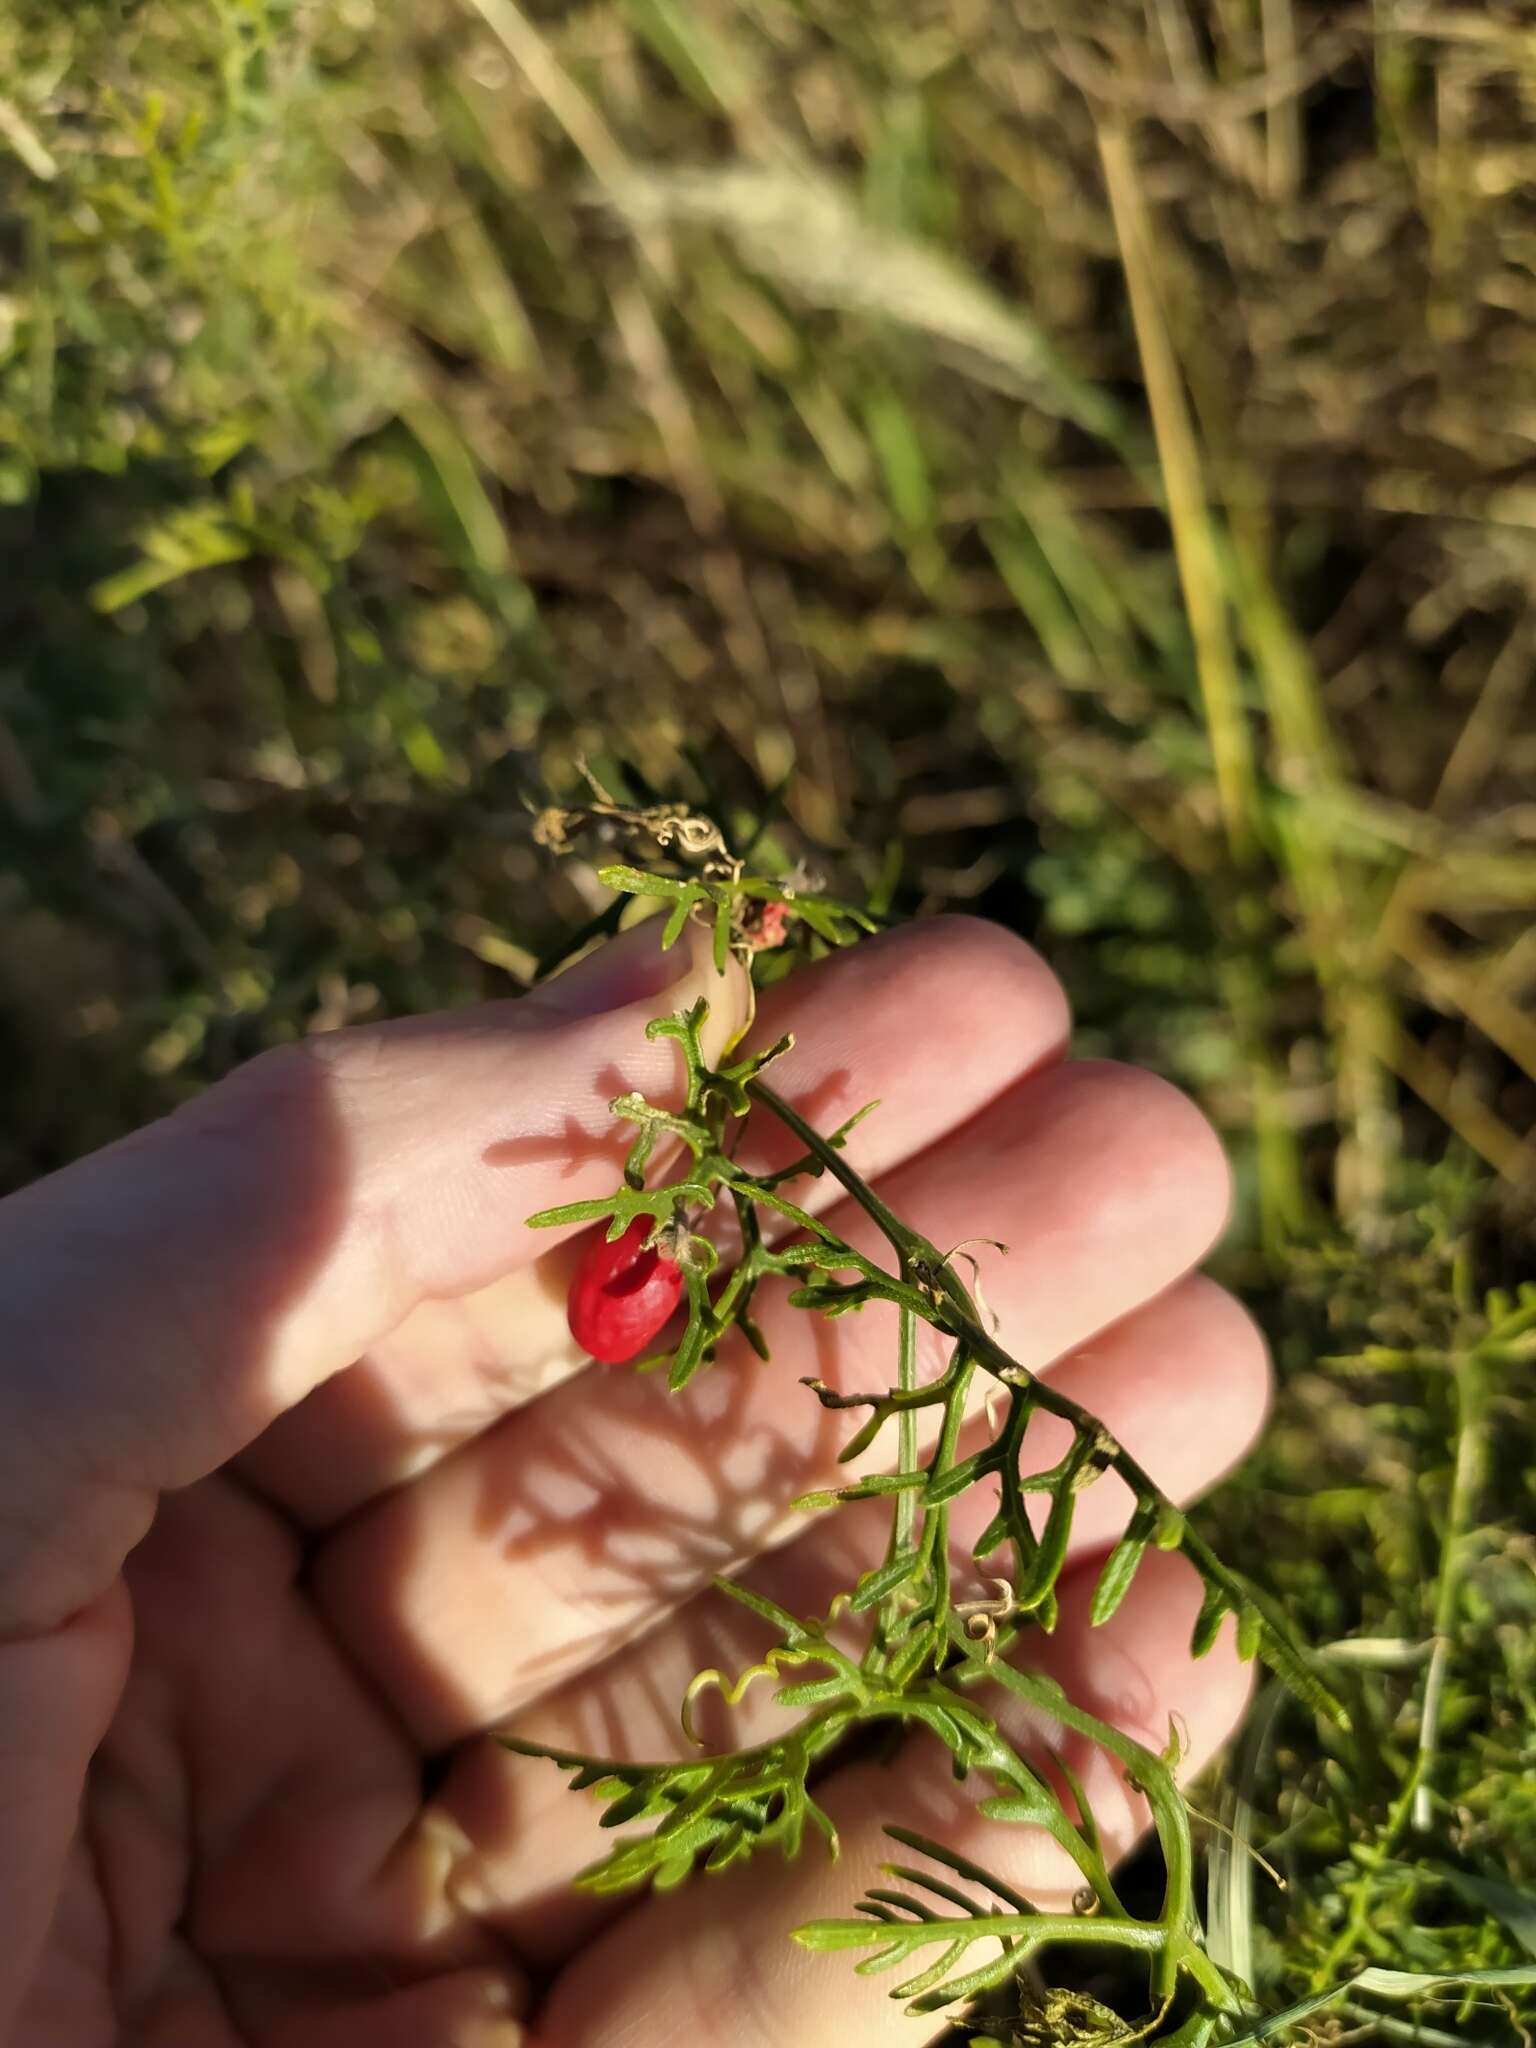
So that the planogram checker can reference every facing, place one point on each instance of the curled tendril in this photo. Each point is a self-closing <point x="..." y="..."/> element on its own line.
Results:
<point x="665" y="825"/>
<point x="980" y="1618"/>
<point x="732" y="1690"/>
<point x="989" y="1314"/>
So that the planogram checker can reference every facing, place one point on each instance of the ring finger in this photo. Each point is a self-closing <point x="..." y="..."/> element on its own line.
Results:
<point x="1182" y="1384"/>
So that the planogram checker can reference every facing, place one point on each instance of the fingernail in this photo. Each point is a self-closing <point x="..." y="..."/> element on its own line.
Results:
<point x="628" y="969"/>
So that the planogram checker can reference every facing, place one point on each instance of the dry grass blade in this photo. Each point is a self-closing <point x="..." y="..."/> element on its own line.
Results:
<point x="804" y="230"/>
<point x="1189" y="510"/>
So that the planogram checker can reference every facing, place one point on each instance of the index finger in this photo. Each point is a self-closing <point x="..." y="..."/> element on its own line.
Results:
<point x="164" y="1300"/>
<point x="862" y="1027"/>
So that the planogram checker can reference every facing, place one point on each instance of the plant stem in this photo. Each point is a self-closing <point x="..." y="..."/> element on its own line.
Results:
<point x="906" y="1243"/>
<point x="1169" y="1815"/>
<point x="949" y="1307"/>
<point x="1378" y="1853"/>
<point x="1471" y="1445"/>
<point x="906" y="1427"/>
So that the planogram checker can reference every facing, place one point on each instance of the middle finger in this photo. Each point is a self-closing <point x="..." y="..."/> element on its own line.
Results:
<point x="542" y="1546"/>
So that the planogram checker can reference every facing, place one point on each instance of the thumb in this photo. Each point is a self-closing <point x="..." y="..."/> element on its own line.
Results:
<point x="164" y="1300"/>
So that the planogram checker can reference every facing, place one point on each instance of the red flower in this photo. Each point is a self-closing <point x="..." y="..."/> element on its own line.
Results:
<point x="766" y="925"/>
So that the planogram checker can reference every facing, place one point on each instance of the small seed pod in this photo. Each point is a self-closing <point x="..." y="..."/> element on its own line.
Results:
<point x="622" y="1295"/>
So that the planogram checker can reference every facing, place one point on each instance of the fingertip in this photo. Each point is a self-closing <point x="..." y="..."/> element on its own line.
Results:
<point x="634" y="967"/>
<point x="1237" y="1377"/>
<point x="999" y="974"/>
<point x="635" y="971"/>
<point x="1181" y="1169"/>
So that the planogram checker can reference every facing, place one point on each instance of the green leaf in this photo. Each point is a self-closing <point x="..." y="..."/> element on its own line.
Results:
<point x="625" y="1204"/>
<point x="814" y="1692"/>
<point x="1029" y="1809"/>
<point x="753" y="1333"/>
<point x="899" y="449"/>
<point x="911" y="1655"/>
<point x="571" y="1212"/>
<point x="826" y="1937"/>
<point x="703" y="62"/>
<point x="837" y="923"/>
<point x="733" y="1844"/>
<point x="998" y="1971"/>
<point x="1392" y="1985"/>
<point x="798" y="1255"/>
<point x="957" y="1479"/>
<point x="879" y="1585"/>
<point x="951" y="1730"/>
<point x="1087" y="1824"/>
<point x="1213" y="1609"/>
<point x="634" y="1803"/>
<point x="878" y="1487"/>
<point x="810" y="1164"/>
<point x="691" y="1353"/>
<point x="1250" y="1633"/>
<point x="779" y="1618"/>
<point x="936" y="1971"/>
<point x="1051" y="1553"/>
<point x="1120" y="1568"/>
<point x="635" y="882"/>
<point x="864" y="1436"/>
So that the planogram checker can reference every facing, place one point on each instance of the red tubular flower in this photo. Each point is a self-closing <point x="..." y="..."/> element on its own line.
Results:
<point x="622" y="1295"/>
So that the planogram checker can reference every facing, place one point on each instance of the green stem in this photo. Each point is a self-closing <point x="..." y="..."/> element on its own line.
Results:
<point x="951" y="1309"/>
<point x="1373" y="1857"/>
<point x="1466" y="1482"/>
<point x="936" y="1533"/>
<point x="905" y="1404"/>
<point x="906" y="1429"/>
<point x="954" y="1312"/>
<point x="1169" y="1816"/>
<point x="907" y="1244"/>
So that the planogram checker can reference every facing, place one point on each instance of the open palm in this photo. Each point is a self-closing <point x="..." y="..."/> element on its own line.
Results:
<point x="303" y="1488"/>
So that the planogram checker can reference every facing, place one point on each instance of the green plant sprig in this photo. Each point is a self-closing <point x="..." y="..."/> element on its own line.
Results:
<point x="920" y="1658"/>
<point x="717" y="899"/>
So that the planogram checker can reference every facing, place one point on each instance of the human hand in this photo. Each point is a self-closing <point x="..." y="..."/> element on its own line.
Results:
<point x="261" y="1602"/>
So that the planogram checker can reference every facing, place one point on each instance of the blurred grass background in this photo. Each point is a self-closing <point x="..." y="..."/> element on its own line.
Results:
<point x="1083" y="458"/>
